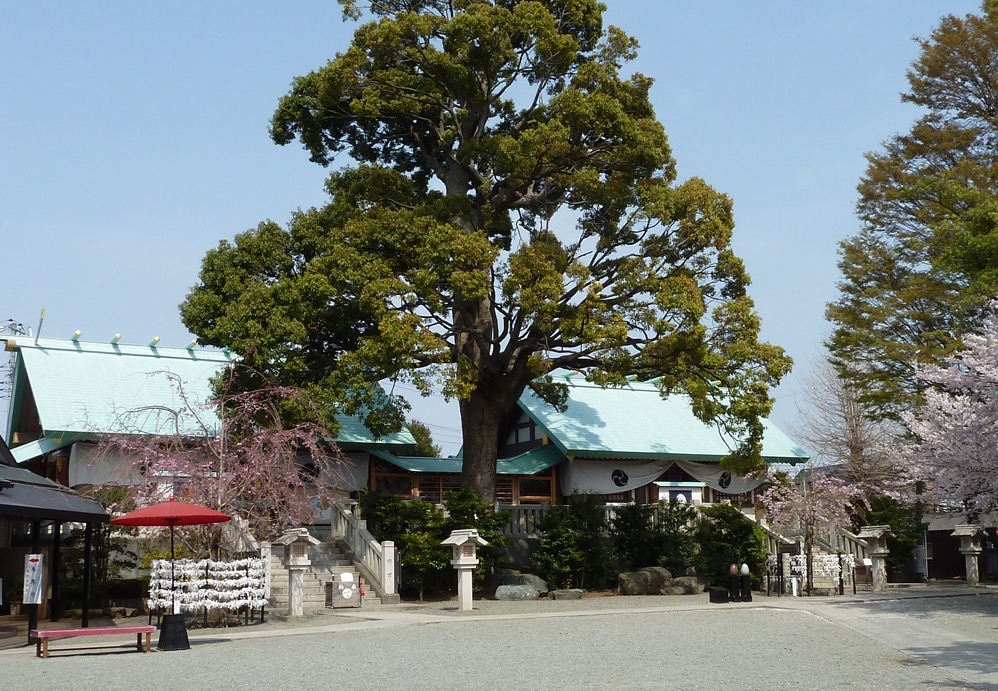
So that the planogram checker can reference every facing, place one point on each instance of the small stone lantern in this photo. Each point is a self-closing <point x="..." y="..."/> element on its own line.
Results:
<point x="296" y="543"/>
<point x="970" y="548"/>
<point x="876" y="546"/>
<point x="465" y="543"/>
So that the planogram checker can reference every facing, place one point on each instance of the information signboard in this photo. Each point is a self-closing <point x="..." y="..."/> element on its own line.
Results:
<point x="33" y="573"/>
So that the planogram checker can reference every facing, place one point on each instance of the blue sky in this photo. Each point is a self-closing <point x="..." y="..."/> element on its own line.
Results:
<point x="134" y="139"/>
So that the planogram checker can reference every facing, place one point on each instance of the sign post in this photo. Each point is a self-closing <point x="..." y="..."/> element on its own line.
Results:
<point x="33" y="574"/>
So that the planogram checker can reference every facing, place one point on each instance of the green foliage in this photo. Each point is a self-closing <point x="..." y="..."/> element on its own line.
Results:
<point x="926" y="259"/>
<point x="558" y="559"/>
<point x="727" y="537"/>
<point x="418" y="528"/>
<point x="151" y="554"/>
<point x="385" y="514"/>
<point x="109" y="552"/>
<point x="650" y="535"/>
<point x="421" y="556"/>
<point x="635" y="538"/>
<point x="465" y="510"/>
<point x="13" y="589"/>
<point x="424" y="440"/>
<point x="676" y="521"/>
<point x="575" y="549"/>
<point x="474" y="129"/>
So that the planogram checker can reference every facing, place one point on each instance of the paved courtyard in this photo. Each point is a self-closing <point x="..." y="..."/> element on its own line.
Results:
<point x="943" y="638"/>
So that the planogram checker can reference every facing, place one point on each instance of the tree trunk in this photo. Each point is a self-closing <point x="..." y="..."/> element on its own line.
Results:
<point x="481" y="415"/>
<point x="809" y="565"/>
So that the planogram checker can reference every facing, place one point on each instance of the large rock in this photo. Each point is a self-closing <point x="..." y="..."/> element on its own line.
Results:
<point x="514" y="578"/>
<point x="659" y="579"/>
<point x="530" y="579"/>
<point x="632" y="583"/>
<point x="690" y="583"/>
<point x="655" y="580"/>
<point x="570" y="594"/>
<point x="516" y="592"/>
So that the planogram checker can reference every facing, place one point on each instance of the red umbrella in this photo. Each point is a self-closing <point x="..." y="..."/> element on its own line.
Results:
<point x="171" y="513"/>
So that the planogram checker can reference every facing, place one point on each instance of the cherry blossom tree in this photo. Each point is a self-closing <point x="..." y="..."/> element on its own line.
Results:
<point x="811" y="506"/>
<point x="244" y="460"/>
<point x="953" y="447"/>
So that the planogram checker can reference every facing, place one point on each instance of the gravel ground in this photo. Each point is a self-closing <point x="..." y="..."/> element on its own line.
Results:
<point x="974" y="615"/>
<point x="638" y="643"/>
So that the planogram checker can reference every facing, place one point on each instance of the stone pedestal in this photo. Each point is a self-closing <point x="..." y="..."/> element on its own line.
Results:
<point x="970" y="548"/>
<point x="464" y="587"/>
<point x="879" y="571"/>
<point x="296" y="592"/>
<point x="970" y="561"/>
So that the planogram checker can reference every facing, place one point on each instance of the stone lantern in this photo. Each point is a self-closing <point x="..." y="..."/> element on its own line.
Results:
<point x="970" y="548"/>
<point x="465" y="543"/>
<point x="876" y="546"/>
<point x="296" y="543"/>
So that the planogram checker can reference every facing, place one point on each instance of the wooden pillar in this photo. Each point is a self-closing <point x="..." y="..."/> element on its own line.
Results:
<point x="88" y="566"/>
<point x="55" y="608"/>
<point x="33" y="609"/>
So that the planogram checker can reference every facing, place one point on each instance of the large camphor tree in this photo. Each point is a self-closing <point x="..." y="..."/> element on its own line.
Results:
<point x="926" y="259"/>
<point x="503" y="205"/>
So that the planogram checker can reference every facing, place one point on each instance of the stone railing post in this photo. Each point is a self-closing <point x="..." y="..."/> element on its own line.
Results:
<point x="388" y="567"/>
<point x="265" y="555"/>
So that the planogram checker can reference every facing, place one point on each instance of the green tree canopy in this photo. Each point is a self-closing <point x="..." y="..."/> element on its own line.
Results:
<point x="424" y="440"/>
<point x="512" y="211"/>
<point x="926" y="258"/>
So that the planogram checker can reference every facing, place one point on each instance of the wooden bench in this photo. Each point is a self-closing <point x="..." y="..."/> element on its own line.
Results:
<point x="43" y="636"/>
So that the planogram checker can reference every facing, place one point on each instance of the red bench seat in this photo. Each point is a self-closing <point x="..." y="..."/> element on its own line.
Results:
<point x="43" y="636"/>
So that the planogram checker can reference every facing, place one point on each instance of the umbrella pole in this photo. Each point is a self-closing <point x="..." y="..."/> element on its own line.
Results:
<point x="173" y="577"/>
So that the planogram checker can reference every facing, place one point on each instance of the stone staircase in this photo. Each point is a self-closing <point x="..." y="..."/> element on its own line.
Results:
<point x="328" y="561"/>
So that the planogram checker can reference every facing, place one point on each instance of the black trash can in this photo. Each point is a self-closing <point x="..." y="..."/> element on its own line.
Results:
<point x="173" y="633"/>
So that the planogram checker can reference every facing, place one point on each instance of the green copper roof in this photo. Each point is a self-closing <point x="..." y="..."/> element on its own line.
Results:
<point x="530" y="462"/>
<point x="39" y="447"/>
<point x="421" y="464"/>
<point x="634" y="421"/>
<point x="527" y="463"/>
<point x="353" y="433"/>
<point x="82" y="389"/>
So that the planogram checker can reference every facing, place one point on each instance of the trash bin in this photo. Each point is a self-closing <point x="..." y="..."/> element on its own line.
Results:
<point x="718" y="594"/>
<point x="343" y="591"/>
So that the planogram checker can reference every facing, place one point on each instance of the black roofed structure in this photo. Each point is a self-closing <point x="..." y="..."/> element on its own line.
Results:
<point x="28" y="498"/>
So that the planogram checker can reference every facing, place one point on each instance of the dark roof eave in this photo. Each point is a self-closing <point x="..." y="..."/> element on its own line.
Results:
<point x="590" y="454"/>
